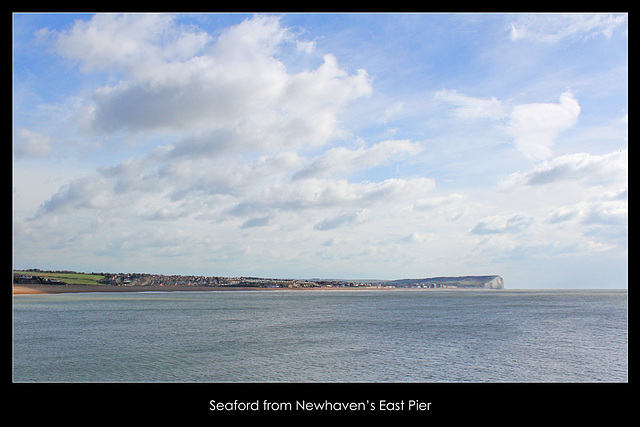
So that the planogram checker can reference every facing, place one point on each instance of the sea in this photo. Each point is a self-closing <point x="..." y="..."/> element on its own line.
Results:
<point x="326" y="336"/>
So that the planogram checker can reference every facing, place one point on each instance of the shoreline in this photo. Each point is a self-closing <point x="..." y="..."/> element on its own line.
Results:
<point x="26" y="289"/>
<point x="39" y="289"/>
<point x="29" y="289"/>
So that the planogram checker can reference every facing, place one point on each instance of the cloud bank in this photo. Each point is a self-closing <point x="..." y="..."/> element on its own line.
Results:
<point x="241" y="127"/>
<point x="274" y="145"/>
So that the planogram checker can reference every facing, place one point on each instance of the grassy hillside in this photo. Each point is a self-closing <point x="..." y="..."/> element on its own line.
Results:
<point x="70" y="278"/>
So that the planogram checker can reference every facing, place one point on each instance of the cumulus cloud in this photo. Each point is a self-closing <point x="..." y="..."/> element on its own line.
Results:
<point x="86" y="192"/>
<point x="564" y="213"/>
<point x="237" y="122"/>
<point x="231" y="92"/>
<point x="499" y="224"/>
<point x="602" y="222"/>
<point x="123" y="42"/>
<point x="316" y="194"/>
<point x="535" y="127"/>
<point x="224" y="101"/>
<point x="348" y="218"/>
<point x="574" y="167"/>
<point x="342" y="159"/>
<point x="600" y="212"/>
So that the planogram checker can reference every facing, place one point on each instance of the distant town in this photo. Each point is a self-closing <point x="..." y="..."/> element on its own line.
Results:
<point x="36" y="276"/>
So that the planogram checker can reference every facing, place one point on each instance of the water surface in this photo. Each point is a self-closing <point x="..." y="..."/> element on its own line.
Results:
<point x="322" y="336"/>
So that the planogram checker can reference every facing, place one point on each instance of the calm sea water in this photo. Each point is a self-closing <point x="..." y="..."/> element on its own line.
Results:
<point x="322" y="336"/>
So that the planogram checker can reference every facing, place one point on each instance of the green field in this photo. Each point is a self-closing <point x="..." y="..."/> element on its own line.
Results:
<point x="70" y="278"/>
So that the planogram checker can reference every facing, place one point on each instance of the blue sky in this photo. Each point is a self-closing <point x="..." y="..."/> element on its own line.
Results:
<point x="324" y="145"/>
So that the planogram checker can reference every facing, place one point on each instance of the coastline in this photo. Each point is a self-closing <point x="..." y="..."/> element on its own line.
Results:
<point x="29" y="289"/>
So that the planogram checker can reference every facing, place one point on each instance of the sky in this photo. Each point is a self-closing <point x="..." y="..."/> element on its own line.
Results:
<point x="314" y="145"/>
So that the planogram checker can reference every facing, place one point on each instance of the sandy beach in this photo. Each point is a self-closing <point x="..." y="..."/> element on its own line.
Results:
<point x="61" y="289"/>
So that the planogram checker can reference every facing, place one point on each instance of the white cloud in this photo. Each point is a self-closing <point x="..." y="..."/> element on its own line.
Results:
<point x="232" y="92"/>
<point x="86" y="192"/>
<point x="498" y="224"/>
<point x="468" y="107"/>
<point x="599" y="212"/>
<point x="574" y="167"/>
<point x="552" y="28"/>
<point x="434" y="202"/>
<point x="564" y="213"/>
<point x="139" y="44"/>
<point x="412" y="238"/>
<point x="535" y="127"/>
<point x="32" y="144"/>
<point x="336" y="221"/>
<point x="305" y="46"/>
<point x="319" y="194"/>
<point x="342" y="159"/>
<point x="596" y="224"/>
<point x="579" y="193"/>
<point x="391" y="112"/>
<point x="248" y="149"/>
<point x="607" y="213"/>
<point x="223" y="99"/>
